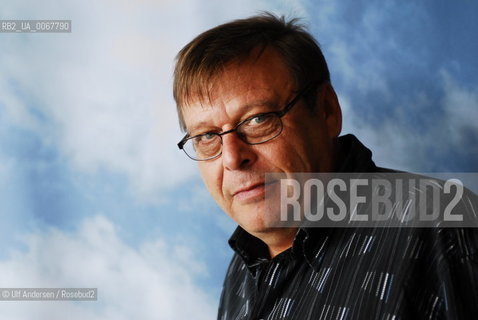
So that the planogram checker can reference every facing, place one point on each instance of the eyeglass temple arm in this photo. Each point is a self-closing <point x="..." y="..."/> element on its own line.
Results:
<point x="183" y="141"/>
<point x="299" y="96"/>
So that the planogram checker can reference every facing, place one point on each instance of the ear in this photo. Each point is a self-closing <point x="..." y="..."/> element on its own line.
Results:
<point x="328" y="102"/>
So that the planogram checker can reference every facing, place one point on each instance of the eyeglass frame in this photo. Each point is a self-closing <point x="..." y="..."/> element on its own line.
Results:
<point x="279" y="114"/>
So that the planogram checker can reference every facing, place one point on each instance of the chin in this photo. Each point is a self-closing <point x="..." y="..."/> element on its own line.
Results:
<point x="255" y="218"/>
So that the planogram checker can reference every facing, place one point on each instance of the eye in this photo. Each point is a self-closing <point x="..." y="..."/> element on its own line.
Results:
<point x="259" y="119"/>
<point x="208" y="136"/>
<point x="205" y="137"/>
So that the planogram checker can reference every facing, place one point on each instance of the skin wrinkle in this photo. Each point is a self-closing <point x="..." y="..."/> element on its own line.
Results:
<point x="305" y="144"/>
<point x="250" y="109"/>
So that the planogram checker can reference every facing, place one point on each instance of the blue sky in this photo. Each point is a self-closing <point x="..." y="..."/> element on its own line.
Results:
<point x="94" y="190"/>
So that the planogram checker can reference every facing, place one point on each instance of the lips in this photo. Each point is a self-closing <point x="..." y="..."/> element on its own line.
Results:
<point x="251" y="191"/>
<point x="248" y="188"/>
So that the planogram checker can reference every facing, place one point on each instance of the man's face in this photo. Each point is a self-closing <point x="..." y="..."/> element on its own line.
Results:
<point x="236" y="178"/>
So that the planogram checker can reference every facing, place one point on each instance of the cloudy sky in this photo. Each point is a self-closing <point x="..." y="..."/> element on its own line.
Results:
<point x="94" y="192"/>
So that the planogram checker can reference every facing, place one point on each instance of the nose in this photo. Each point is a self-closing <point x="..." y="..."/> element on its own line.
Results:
<point x="236" y="154"/>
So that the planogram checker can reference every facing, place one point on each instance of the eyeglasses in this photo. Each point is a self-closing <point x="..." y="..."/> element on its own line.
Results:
<point x="257" y="129"/>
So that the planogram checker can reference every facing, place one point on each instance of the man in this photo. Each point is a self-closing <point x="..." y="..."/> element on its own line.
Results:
<point x="254" y="97"/>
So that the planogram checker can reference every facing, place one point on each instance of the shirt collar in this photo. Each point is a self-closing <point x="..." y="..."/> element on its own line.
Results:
<point x="309" y="243"/>
<point x="252" y="250"/>
<point x="353" y="156"/>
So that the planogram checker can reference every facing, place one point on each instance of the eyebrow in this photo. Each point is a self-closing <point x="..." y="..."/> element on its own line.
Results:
<point x="248" y="106"/>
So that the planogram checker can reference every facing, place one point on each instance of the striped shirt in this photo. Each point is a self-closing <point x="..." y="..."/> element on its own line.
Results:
<point x="362" y="273"/>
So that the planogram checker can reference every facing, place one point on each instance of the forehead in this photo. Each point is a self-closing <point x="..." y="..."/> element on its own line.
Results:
<point x="259" y="80"/>
<point x="266" y="66"/>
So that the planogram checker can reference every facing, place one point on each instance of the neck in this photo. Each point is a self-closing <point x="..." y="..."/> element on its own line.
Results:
<point x="278" y="240"/>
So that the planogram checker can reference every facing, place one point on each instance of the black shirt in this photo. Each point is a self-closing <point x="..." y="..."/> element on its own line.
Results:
<point x="344" y="273"/>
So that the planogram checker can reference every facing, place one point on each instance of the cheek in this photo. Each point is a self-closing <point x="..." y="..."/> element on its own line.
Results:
<point x="212" y="177"/>
<point x="300" y="149"/>
<point x="280" y="154"/>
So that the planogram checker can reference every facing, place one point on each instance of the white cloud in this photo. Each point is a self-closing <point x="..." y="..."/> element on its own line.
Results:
<point x="461" y="111"/>
<point x="366" y="51"/>
<point x="154" y="281"/>
<point x="200" y="202"/>
<point x="451" y="132"/>
<point x="6" y="166"/>
<point x="102" y="94"/>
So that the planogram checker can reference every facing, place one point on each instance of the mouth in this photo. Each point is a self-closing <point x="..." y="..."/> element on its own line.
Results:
<point x="253" y="191"/>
